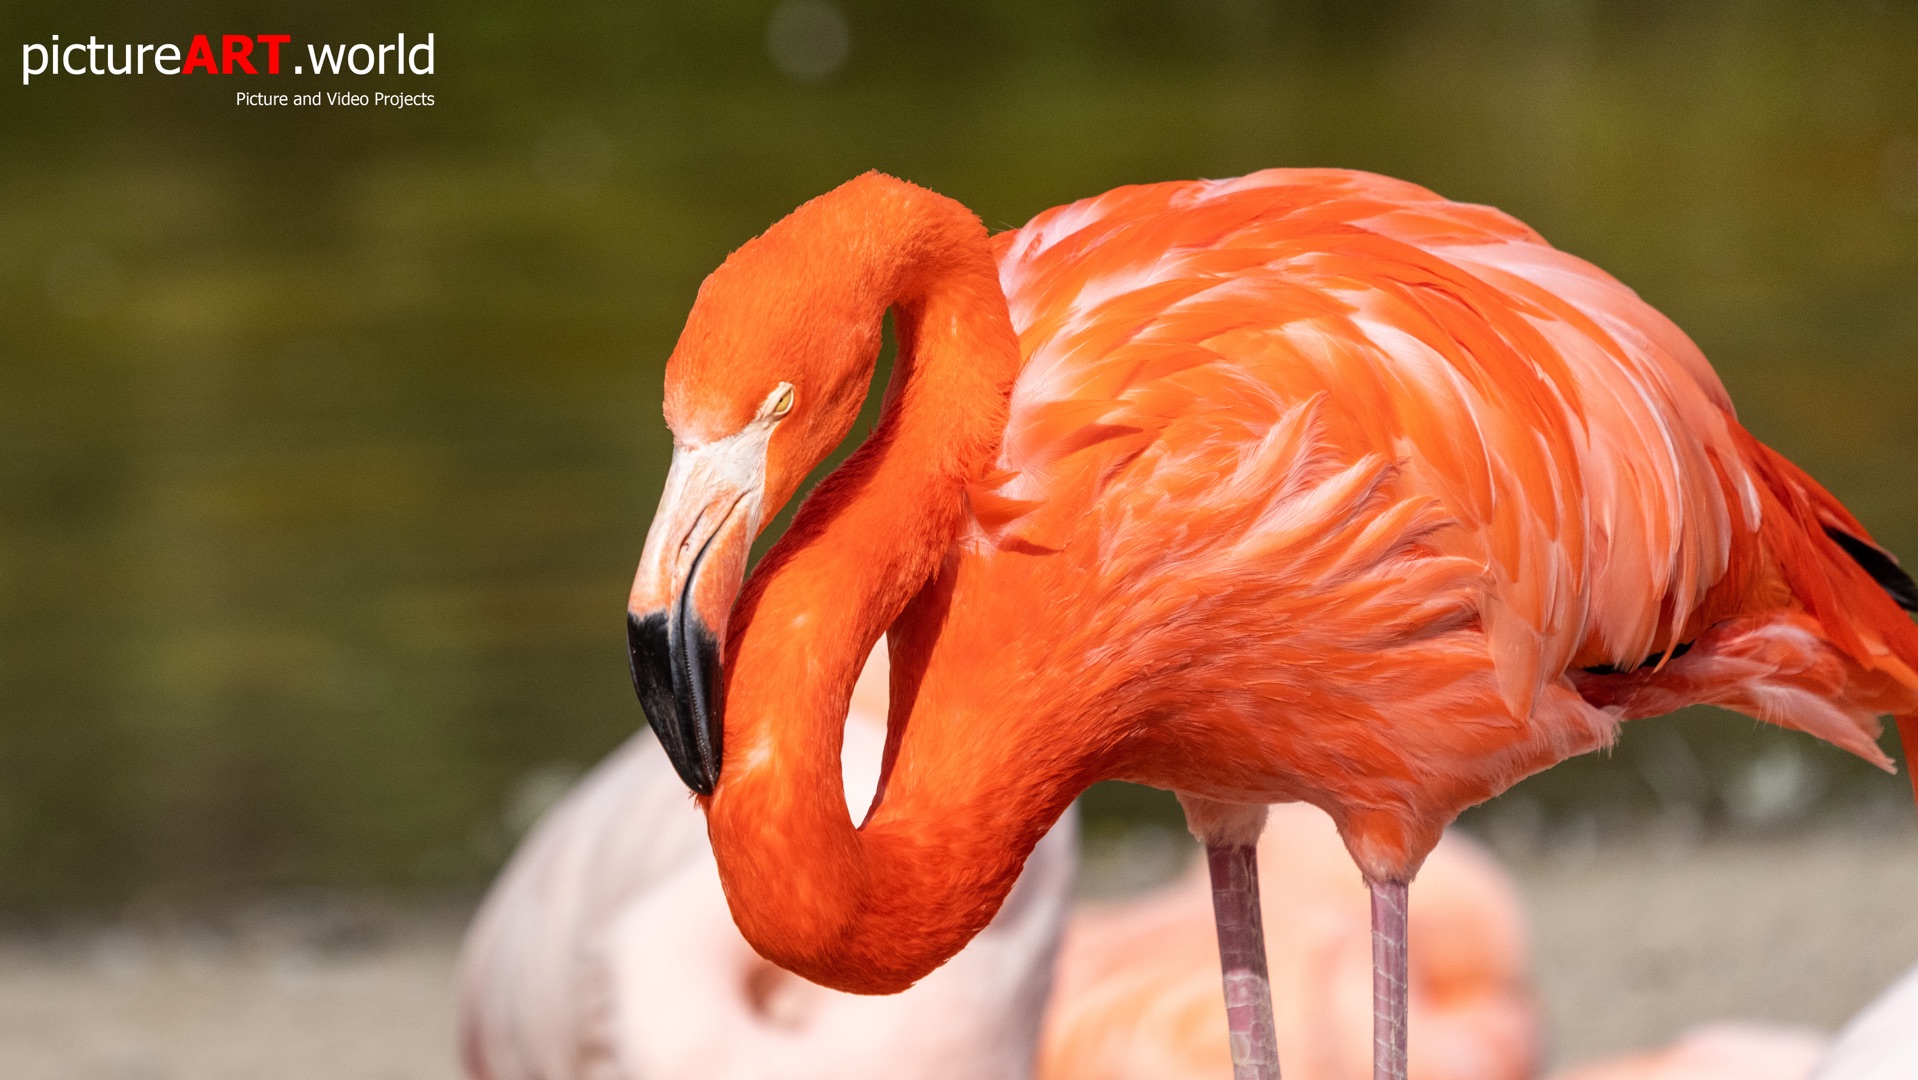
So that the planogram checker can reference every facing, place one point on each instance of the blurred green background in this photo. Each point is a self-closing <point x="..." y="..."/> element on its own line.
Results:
<point x="329" y="437"/>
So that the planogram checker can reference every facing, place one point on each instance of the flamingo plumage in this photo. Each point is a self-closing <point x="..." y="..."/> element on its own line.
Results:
<point x="605" y="952"/>
<point x="1305" y="486"/>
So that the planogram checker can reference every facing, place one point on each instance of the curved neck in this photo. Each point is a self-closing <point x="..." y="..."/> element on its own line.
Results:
<point x="869" y="910"/>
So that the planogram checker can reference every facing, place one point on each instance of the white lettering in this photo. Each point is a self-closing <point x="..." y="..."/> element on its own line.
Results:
<point x="413" y="57"/>
<point x="27" y="73"/>
<point x="409" y="56"/>
<point x="403" y="101"/>
<point x="326" y="60"/>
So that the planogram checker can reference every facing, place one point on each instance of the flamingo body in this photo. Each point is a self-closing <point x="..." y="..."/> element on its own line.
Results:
<point x="1306" y="486"/>
<point x="1423" y="472"/>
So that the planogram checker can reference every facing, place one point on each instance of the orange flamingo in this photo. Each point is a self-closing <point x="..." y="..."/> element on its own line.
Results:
<point x="1305" y="486"/>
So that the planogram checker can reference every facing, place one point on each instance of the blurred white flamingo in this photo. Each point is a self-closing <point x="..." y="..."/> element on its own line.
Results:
<point x="606" y="952"/>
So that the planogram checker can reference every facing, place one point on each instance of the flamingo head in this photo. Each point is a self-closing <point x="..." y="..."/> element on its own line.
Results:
<point x="767" y="378"/>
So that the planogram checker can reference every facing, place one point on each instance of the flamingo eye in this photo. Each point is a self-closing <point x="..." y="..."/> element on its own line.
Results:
<point x="780" y="403"/>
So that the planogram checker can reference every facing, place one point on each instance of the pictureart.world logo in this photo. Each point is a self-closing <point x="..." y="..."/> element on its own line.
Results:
<point x="244" y="55"/>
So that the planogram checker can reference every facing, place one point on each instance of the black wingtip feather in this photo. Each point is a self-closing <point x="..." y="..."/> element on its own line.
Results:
<point x="1881" y="566"/>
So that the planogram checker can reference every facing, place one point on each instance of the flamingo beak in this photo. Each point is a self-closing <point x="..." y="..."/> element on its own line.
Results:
<point x="689" y="575"/>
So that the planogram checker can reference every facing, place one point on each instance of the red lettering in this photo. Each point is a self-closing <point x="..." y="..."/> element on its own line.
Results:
<point x="273" y="43"/>
<point x="234" y="49"/>
<point x="200" y="55"/>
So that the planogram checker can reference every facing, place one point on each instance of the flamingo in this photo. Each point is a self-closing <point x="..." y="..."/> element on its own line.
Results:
<point x="1308" y="485"/>
<point x="605" y="952"/>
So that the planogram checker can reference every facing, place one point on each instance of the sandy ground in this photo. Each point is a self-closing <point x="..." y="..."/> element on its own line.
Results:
<point x="1635" y="941"/>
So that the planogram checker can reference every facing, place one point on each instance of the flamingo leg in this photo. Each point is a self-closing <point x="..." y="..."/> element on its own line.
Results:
<point x="1389" y="986"/>
<point x="1248" y="989"/>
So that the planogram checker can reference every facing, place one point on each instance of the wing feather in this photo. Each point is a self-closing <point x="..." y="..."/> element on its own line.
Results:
<point x="1579" y="445"/>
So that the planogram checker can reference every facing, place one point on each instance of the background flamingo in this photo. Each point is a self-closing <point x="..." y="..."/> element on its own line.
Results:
<point x="1304" y="486"/>
<point x="1137" y="991"/>
<point x="605" y="952"/>
<point x="1135" y="997"/>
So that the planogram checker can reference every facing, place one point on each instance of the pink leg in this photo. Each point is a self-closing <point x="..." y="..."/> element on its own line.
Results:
<point x="1389" y="986"/>
<point x="1248" y="990"/>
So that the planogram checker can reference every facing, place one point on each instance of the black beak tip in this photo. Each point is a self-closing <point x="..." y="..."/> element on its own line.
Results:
<point x="676" y="676"/>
